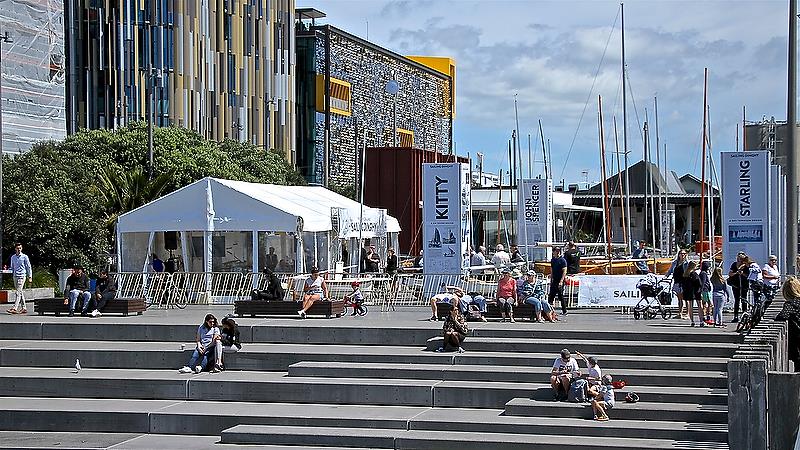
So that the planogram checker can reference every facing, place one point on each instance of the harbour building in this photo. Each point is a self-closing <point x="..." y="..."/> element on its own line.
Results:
<point x="223" y="68"/>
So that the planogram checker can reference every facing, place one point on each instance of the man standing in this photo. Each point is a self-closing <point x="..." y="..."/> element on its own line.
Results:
<point x="20" y="270"/>
<point x="641" y="253"/>
<point x="573" y="257"/>
<point x="501" y="258"/>
<point x="558" y="271"/>
<point x="272" y="259"/>
<point x="391" y="262"/>
<point x="478" y="259"/>
<point x="77" y="286"/>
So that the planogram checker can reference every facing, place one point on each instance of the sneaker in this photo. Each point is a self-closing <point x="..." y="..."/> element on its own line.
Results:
<point x="461" y="350"/>
<point x="11" y="311"/>
<point x="185" y="369"/>
<point x="198" y="369"/>
<point x="709" y="322"/>
<point x="693" y="324"/>
<point x="602" y="419"/>
<point x="216" y="369"/>
<point x="71" y="313"/>
<point x="440" y="349"/>
<point x="512" y="320"/>
<point x="702" y="324"/>
<point x="96" y="313"/>
<point x="24" y="311"/>
<point x="483" y="319"/>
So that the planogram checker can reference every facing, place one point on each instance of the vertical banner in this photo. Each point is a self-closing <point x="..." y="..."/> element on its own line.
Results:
<point x="445" y="218"/>
<point x="745" y="205"/>
<point x="535" y="217"/>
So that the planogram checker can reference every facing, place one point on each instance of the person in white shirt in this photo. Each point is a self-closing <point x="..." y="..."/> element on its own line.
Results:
<point x="603" y="398"/>
<point x="20" y="270"/>
<point x="501" y="258"/>
<point x="478" y="258"/>
<point x="314" y="290"/>
<point x="565" y="369"/>
<point x="770" y="273"/>
<point x="594" y="373"/>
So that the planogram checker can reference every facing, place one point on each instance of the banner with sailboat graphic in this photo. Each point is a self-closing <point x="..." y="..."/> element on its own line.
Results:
<point x="535" y="217"/>
<point x="445" y="217"/>
<point x="745" y="205"/>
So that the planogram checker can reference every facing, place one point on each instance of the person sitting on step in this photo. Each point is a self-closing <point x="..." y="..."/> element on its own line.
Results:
<point x="603" y="398"/>
<point x="565" y="369"/>
<point x="532" y="293"/>
<point x="229" y="341"/>
<point x="206" y="340"/>
<point x="314" y="290"/>
<point x="594" y="374"/>
<point x="104" y="292"/>
<point x="447" y="295"/>
<point x="454" y="331"/>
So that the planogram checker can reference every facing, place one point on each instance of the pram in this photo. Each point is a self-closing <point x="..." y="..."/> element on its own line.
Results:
<point x="656" y="296"/>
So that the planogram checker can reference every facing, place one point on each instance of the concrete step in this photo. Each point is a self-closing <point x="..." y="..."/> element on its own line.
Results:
<point x="509" y="374"/>
<point x="344" y="331"/>
<point x="592" y="346"/>
<point x="203" y="417"/>
<point x="396" y="439"/>
<point x="278" y="357"/>
<point x="277" y="387"/>
<point x="682" y="412"/>
<point x="665" y="334"/>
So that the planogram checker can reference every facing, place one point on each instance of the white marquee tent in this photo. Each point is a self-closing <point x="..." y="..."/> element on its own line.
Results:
<point x="223" y="225"/>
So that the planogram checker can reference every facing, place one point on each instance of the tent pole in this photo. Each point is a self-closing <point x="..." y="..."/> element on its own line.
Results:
<point x="255" y="259"/>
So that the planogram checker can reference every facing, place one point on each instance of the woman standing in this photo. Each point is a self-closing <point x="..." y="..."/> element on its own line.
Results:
<point x="720" y="295"/>
<point x="791" y="314"/>
<point x="691" y="291"/>
<point x="677" y="270"/>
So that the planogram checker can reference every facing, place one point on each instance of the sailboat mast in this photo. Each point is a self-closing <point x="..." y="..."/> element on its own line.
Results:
<point x="621" y="186"/>
<point x="530" y="161"/>
<point x="544" y="151"/>
<point x="703" y="170"/>
<point x="625" y="126"/>
<point x="606" y="208"/>
<point x="511" y="185"/>
<point x="518" y="148"/>
<point x="661" y="189"/>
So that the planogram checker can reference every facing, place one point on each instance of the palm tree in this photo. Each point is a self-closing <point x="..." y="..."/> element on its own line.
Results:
<point x="124" y="191"/>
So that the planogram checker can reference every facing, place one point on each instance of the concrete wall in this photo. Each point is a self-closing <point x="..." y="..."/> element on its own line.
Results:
<point x="784" y="409"/>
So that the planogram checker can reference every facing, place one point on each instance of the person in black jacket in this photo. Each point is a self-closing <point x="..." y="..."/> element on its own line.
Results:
<point x="104" y="292"/>
<point x="274" y="290"/>
<point x="229" y="341"/>
<point x="77" y="287"/>
<point x="692" y="291"/>
<point x="391" y="262"/>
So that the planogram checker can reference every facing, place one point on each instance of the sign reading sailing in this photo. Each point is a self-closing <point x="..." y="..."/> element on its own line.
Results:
<point x="745" y="205"/>
<point x="445" y="218"/>
<point x="535" y="216"/>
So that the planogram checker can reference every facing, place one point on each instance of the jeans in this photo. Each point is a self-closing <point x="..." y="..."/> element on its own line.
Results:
<point x="719" y="301"/>
<point x="19" y="284"/>
<point x="538" y="305"/>
<point x="73" y="299"/>
<point x="201" y="359"/>
<point x="476" y="300"/>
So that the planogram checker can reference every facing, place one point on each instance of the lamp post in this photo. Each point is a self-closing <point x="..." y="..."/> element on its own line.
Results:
<point x="392" y="88"/>
<point x="4" y="39"/>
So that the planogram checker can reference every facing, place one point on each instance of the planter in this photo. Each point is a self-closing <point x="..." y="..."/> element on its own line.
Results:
<point x="9" y="296"/>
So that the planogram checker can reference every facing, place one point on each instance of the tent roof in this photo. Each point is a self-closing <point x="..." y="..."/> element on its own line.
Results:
<point x="241" y="206"/>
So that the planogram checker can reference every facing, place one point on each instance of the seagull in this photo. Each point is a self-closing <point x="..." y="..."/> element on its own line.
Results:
<point x="77" y="365"/>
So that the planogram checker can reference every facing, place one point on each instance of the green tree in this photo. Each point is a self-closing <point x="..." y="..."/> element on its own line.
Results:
<point x="60" y="197"/>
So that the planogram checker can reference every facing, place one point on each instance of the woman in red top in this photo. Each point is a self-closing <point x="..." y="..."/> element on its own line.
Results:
<point x="506" y="296"/>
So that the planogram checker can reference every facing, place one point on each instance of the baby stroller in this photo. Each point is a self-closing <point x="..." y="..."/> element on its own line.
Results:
<point x="656" y="295"/>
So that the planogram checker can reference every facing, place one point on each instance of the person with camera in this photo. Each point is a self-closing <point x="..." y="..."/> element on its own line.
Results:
<point x="565" y="370"/>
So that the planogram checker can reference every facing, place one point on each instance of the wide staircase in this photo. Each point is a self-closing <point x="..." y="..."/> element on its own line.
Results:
<point x="336" y="384"/>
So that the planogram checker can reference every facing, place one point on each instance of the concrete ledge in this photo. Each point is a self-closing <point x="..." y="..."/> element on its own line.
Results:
<point x="680" y="412"/>
<point x="265" y="434"/>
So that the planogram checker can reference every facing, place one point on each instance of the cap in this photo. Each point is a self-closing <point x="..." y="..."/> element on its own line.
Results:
<point x="530" y="272"/>
<point x="565" y="353"/>
<point x="314" y="270"/>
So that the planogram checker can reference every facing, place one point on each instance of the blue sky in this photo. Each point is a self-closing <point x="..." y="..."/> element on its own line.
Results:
<point x="548" y="52"/>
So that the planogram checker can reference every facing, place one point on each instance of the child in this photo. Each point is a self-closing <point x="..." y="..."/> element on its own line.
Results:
<point x="603" y="399"/>
<point x="356" y="297"/>
<point x="705" y="289"/>
<point x="720" y="295"/>
<point x="595" y="373"/>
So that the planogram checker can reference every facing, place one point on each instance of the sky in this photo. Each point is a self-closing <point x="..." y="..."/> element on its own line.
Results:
<point x="557" y="57"/>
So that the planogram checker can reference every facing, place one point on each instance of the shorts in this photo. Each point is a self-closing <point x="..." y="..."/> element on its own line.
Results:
<point x="706" y="298"/>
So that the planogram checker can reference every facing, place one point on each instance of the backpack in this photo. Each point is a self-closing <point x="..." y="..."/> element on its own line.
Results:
<point x="577" y="391"/>
<point x="473" y="313"/>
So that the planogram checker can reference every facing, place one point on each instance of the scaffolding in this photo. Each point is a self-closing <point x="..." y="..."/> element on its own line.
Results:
<point x="33" y="72"/>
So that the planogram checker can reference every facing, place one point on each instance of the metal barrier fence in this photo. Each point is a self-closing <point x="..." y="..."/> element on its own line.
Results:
<point x="167" y="290"/>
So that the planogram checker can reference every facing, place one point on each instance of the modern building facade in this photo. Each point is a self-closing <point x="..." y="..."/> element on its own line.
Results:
<point x="32" y="72"/>
<point x="353" y="94"/>
<point x="224" y="68"/>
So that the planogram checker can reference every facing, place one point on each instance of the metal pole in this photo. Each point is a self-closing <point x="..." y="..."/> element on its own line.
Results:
<point x="792" y="169"/>
<point x="625" y="128"/>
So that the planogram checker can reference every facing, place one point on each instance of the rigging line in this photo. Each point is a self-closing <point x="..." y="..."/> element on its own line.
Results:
<point x="589" y="96"/>
<point x="635" y="109"/>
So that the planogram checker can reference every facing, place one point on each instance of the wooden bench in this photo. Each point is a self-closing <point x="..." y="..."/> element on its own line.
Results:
<point x="255" y="308"/>
<point x="124" y="306"/>
<point x="524" y="311"/>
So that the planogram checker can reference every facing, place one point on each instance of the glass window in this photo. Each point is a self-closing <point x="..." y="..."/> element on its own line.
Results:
<point x="282" y="246"/>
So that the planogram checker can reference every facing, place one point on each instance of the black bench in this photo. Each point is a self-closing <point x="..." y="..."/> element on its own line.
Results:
<point x="124" y="306"/>
<point x="255" y="308"/>
<point x="523" y="311"/>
